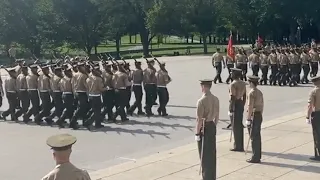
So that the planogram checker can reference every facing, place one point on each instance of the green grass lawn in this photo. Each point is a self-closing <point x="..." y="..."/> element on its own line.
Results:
<point x="167" y="42"/>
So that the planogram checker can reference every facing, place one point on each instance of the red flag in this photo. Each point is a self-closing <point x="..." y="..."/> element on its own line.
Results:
<point x="230" y="50"/>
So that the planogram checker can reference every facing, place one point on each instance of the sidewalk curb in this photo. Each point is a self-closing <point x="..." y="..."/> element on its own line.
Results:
<point x="103" y="173"/>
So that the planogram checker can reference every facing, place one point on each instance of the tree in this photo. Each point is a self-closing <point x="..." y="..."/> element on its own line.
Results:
<point x="139" y="10"/>
<point x="202" y="15"/>
<point x="28" y="23"/>
<point x="117" y="21"/>
<point x="83" y="22"/>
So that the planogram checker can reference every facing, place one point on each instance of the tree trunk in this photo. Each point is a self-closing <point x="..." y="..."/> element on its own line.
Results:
<point x="205" y="46"/>
<point x="144" y="35"/>
<point x="187" y="37"/>
<point x="292" y="35"/>
<point x="210" y="39"/>
<point x="192" y="39"/>
<point x="118" y="39"/>
<point x="130" y="40"/>
<point x="96" y="49"/>
<point x="37" y="49"/>
<point x="135" y="39"/>
<point x="200" y="40"/>
<point x="88" y="50"/>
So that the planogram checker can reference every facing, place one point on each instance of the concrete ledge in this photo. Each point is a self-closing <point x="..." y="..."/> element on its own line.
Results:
<point x="99" y="174"/>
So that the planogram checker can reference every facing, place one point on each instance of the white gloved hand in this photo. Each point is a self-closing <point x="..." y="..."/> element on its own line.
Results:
<point x="230" y="113"/>
<point x="308" y="121"/>
<point x="197" y="137"/>
<point x="248" y="122"/>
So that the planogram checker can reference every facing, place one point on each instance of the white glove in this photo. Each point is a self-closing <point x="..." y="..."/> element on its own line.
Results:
<point x="308" y="121"/>
<point x="248" y="122"/>
<point x="230" y="113"/>
<point x="197" y="137"/>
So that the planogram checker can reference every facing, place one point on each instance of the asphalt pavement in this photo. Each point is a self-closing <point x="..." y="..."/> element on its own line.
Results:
<point x="23" y="147"/>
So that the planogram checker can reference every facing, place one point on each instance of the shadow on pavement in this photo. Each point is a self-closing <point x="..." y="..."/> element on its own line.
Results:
<point x="289" y="156"/>
<point x="151" y="133"/>
<point x="305" y="168"/>
<point x="160" y="124"/>
<point x="106" y="129"/>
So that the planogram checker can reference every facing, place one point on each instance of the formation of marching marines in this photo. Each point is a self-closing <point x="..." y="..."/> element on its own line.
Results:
<point x="80" y="89"/>
<point x="287" y="63"/>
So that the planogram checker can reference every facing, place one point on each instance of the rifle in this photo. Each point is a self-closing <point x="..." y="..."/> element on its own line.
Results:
<point x="134" y="59"/>
<point x="34" y="57"/>
<point x="113" y="60"/>
<point x="122" y="58"/>
<point x="156" y="60"/>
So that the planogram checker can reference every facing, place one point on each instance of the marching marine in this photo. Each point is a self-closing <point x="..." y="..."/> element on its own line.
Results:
<point x="95" y="87"/>
<point x="57" y="93"/>
<point x="23" y="92"/>
<point x="68" y="98"/>
<point x="230" y="64"/>
<point x="10" y="86"/>
<point x="314" y="61"/>
<point x="32" y="84"/>
<point x="137" y="80"/>
<point x="217" y="60"/>
<point x="305" y="60"/>
<point x="121" y="81"/>
<point x="163" y="79"/>
<point x="274" y="65"/>
<point x="44" y="88"/>
<point x="149" y="80"/>
<point x="80" y="91"/>
<point x="241" y="63"/>
<point x="109" y="93"/>
<point x="254" y="62"/>
<point x="264" y="66"/>
<point x="283" y="68"/>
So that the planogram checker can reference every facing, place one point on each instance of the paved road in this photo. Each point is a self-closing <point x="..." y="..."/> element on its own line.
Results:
<point x="23" y="147"/>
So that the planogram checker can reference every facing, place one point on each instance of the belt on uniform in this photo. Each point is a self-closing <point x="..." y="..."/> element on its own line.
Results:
<point x="122" y="88"/>
<point x="56" y="91"/>
<point x="32" y="89"/>
<point x="151" y="83"/>
<point x="162" y="86"/>
<point x="22" y="89"/>
<point x="94" y="95"/>
<point x="67" y="93"/>
<point x="81" y="91"/>
<point x="44" y="90"/>
<point x="264" y="64"/>
<point x="137" y="84"/>
<point x="11" y="92"/>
